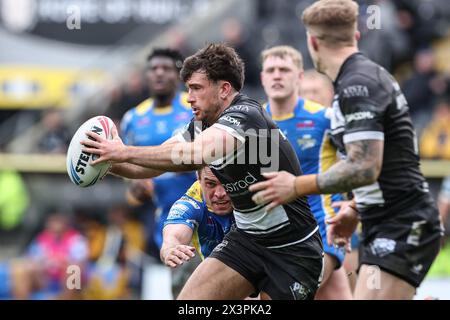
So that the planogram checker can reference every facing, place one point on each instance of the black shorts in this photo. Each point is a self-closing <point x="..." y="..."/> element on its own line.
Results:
<point x="292" y="272"/>
<point x="404" y="246"/>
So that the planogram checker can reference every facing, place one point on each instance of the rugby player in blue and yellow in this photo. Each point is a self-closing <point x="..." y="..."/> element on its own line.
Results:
<point x="154" y="121"/>
<point x="202" y="217"/>
<point x="306" y="126"/>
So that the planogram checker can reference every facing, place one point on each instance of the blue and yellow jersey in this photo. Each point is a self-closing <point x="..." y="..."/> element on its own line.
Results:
<point x="146" y="125"/>
<point x="208" y="227"/>
<point x="307" y="129"/>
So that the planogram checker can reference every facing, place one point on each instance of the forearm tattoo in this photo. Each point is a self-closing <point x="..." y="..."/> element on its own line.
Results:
<point x="360" y="168"/>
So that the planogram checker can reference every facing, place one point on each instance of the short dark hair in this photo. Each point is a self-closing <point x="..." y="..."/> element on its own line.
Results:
<point x="175" y="55"/>
<point x="219" y="62"/>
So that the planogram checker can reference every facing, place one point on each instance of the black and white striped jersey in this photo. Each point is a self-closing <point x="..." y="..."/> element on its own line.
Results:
<point x="369" y="104"/>
<point x="263" y="148"/>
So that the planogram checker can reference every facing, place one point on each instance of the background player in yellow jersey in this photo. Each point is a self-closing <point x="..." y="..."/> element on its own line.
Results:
<point x="306" y="125"/>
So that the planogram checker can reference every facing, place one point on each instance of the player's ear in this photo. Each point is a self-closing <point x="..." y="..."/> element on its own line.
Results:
<point x="301" y="75"/>
<point x="225" y="89"/>
<point x="314" y="43"/>
<point x="357" y="35"/>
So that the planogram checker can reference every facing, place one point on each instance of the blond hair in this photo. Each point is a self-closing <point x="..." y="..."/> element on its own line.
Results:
<point x="332" y="21"/>
<point x="282" y="52"/>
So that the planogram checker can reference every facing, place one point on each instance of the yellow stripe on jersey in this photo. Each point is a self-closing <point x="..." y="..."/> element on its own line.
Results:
<point x="163" y="110"/>
<point x="184" y="101"/>
<point x="283" y="117"/>
<point x="196" y="243"/>
<point x="279" y="118"/>
<point x="312" y="107"/>
<point x="327" y="159"/>
<point x="195" y="192"/>
<point x="144" y="106"/>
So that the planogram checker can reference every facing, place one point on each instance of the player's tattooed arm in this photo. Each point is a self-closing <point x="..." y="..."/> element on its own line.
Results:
<point x="361" y="167"/>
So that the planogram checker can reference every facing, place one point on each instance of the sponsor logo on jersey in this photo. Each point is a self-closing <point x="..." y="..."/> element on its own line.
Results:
<point x="161" y="127"/>
<point x="382" y="246"/>
<point x="190" y="201"/>
<point x="177" y="211"/>
<point x="307" y="124"/>
<point x="417" y="268"/>
<point x="182" y="116"/>
<point x="357" y="116"/>
<point x="239" y="185"/>
<point x="231" y="120"/>
<point x="145" y="121"/>
<point x="355" y="91"/>
<point x="306" y="142"/>
<point x="238" y="108"/>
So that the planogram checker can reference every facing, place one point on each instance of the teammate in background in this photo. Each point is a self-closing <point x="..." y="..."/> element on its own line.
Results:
<point x="151" y="123"/>
<point x="371" y="126"/>
<point x="306" y="126"/>
<point x="202" y="216"/>
<point x="317" y="87"/>
<point x="278" y="252"/>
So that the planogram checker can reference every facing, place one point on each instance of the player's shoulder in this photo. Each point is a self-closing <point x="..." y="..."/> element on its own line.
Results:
<point x="139" y="110"/>
<point x="195" y="192"/>
<point x="364" y="79"/>
<point x="313" y="108"/>
<point x="244" y="105"/>
<point x="183" y="100"/>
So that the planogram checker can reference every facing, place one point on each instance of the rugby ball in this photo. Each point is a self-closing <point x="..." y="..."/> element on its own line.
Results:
<point x="79" y="169"/>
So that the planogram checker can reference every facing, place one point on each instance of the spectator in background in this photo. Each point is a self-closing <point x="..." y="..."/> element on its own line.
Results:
<point x="56" y="137"/>
<point x="234" y="35"/>
<point x="178" y="41"/>
<point x="53" y="250"/>
<point x="435" y="139"/>
<point x="120" y="241"/>
<point x="423" y="87"/>
<point x="128" y="96"/>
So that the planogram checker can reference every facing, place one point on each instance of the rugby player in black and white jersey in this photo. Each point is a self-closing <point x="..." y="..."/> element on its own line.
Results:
<point x="278" y="252"/>
<point x="372" y="129"/>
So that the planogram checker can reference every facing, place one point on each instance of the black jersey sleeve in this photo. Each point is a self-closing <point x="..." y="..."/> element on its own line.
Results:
<point x="235" y="123"/>
<point x="363" y="102"/>
<point x="190" y="130"/>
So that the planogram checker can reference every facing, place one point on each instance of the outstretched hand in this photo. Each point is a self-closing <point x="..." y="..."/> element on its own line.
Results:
<point x="278" y="189"/>
<point x="342" y="225"/>
<point x="178" y="255"/>
<point x="106" y="150"/>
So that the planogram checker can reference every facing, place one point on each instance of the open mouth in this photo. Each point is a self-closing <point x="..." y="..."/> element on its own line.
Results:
<point x="221" y="203"/>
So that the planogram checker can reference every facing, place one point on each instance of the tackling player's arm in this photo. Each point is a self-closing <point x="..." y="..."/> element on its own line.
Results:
<point x="361" y="167"/>
<point x="175" y="249"/>
<point x="364" y="147"/>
